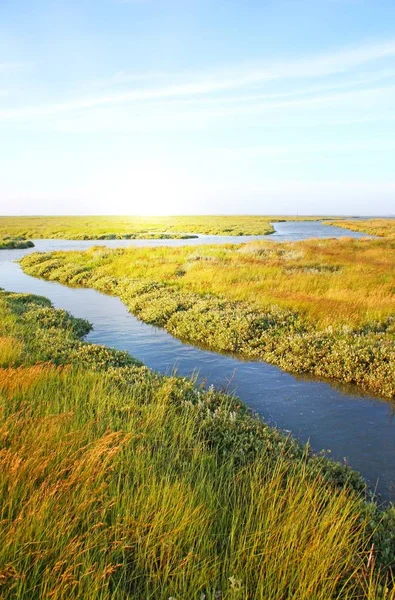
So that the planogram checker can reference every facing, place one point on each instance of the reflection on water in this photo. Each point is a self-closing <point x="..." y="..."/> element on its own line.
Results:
<point x="357" y="428"/>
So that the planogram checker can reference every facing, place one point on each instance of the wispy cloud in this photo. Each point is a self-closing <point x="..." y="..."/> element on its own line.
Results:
<point x="343" y="85"/>
<point x="233" y="79"/>
<point x="355" y="99"/>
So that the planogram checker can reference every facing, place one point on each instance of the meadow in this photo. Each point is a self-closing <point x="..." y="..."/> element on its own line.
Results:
<point x="117" y="482"/>
<point x="378" y="227"/>
<point x="100" y="227"/>
<point x="135" y="227"/>
<point x="321" y="307"/>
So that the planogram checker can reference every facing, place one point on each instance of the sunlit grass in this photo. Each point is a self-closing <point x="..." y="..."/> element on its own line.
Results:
<point x="330" y="281"/>
<point x="96" y="227"/>
<point x="379" y="227"/>
<point x="324" y="307"/>
<point x="131" y="504"/>
<point x="10" y="350"/>
<point x="93" y="227"/>
<point x="124" y="484"/>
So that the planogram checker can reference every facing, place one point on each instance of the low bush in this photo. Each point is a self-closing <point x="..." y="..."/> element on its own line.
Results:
<point x="363" y="355"/>
<point x="15" y="243"/>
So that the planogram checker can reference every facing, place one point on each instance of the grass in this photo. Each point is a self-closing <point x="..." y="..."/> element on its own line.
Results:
<point x="14" y="243"/>
<point x="132" y="227"/>
<point x="324" y="307"/>
<point x="100" y="227"/>
<point x="119" y="483"/>
<point x="379" y="227"/>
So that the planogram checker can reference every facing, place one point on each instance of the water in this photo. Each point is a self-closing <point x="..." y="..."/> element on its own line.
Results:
<point x="358" y="429"/>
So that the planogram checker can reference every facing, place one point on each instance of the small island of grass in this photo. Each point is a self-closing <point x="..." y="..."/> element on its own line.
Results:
<point x="15" y="243"/>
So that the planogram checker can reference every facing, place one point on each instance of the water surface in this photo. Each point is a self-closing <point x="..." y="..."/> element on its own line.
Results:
<point x="358" y="429"/>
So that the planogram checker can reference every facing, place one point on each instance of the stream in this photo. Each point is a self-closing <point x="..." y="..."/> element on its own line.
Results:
<point x="355" y="428"/>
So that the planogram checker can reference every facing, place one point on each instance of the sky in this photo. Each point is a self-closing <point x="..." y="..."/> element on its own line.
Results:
<point x="197" y="107"/>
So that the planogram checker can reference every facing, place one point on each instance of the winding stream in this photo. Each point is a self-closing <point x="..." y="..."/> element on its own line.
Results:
<point x="360" y="429"/>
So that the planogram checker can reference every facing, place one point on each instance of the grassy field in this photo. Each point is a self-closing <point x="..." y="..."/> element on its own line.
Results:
<point x="324" y="307"/>
<point x="100" y="227"/>
<point x="132" y="227"/>
<point x="14" y="243"/>
<point x="120" y="483"/>
<point x="379" y="227"/>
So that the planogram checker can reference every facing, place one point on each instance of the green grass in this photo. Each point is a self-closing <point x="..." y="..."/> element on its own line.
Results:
<point x="119" y="483"/>
<point x="323" y="307"/>
<point x="14" y="243"/>
<point x="99" y="227"/>
<point x="134" y="227"/>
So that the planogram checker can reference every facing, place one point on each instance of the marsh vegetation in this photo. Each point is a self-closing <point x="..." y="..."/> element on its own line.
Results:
<point x="117" y="483"/>
<point x="376" y="227"/>
<point x="177" y="227"/>
<point x="14" y="243"/>
<point x="80" y="228"/>
<point x="324" y="307"/>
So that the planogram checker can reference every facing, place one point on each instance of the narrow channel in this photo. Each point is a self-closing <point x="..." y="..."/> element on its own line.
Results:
<point x="355" y="428"/>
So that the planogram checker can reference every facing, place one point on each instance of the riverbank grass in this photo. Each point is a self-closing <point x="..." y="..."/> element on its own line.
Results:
<point x="119" y="483"/>
<point x="377" y="227"/>
<point x="14" y="243"/>
<point x="320" y="307"/>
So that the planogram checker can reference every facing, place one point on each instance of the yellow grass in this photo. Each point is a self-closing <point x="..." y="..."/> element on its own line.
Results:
<point x="95" y="226"/>
<point x="124" y="484"/>
<point x="343" y="282"/>
<point x="91" y="227"/>
<point x="10" y="350"/>
<point x="136" y="508"/>
<point x="380" y="227"/>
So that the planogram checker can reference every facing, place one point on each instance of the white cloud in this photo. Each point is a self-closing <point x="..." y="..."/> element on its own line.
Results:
<point x="223" y="81"/>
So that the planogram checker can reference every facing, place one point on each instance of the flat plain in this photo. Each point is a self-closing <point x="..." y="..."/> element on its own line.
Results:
<point x="107" y="227"/>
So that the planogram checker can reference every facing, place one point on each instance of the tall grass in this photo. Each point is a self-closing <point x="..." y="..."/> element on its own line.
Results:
<point x="108" y="494"/>
<point x="123" y="484"/>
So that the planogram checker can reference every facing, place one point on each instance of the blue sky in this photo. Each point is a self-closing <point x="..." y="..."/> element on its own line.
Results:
<point x="197" y="106"/>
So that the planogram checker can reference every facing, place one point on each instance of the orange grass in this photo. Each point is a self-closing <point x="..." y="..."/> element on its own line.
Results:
<point x="20" y="379"/>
